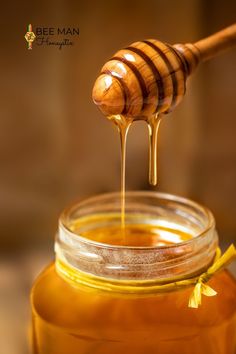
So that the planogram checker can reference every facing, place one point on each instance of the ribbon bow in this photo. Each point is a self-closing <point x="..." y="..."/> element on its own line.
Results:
<point x="200" y="288"/>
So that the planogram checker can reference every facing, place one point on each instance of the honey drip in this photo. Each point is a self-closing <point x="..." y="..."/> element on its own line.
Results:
<point x="153" y="127"/>
<point x="123" y="124"/>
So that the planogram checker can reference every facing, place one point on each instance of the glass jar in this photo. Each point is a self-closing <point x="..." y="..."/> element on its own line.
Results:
<point x="110" y="295"/>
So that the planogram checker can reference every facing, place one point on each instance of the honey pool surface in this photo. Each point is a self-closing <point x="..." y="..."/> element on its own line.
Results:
<point x="148" y="234"/>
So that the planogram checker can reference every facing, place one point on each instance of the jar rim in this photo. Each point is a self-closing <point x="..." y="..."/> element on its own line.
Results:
<point x="139" y="193"/>
<point x="178" y="259"/>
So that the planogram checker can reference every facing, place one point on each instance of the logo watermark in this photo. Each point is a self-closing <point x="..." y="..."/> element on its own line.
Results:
<point x="58" y="37"/>
<point x="30" y="36"/>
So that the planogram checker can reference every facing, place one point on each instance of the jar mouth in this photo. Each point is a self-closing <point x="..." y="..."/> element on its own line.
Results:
<point x="129" y="262"/>
<point x="103" y="198"/>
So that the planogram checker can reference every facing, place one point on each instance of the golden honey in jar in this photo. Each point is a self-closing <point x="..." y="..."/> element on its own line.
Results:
<point x="108" y="293"/>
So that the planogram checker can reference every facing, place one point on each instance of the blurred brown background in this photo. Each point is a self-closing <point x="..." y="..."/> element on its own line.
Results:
<point x="55" y="146"/>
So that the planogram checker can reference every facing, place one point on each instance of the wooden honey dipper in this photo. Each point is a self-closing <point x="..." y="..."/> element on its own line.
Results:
<point x="149" y="77"/>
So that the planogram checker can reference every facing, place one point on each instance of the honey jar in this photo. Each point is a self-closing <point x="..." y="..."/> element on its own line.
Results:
<point x="146" y="288"/>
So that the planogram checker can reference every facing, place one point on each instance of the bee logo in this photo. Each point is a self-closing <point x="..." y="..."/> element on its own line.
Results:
<point x="30" y="36"/>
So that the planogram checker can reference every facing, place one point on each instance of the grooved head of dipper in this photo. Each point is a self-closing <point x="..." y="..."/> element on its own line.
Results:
<point x="108" y="95"/>
<point x="145" y="79"/>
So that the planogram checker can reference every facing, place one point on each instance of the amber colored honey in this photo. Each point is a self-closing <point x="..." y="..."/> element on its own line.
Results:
<point x="136" y="234"/>
<point x="73" y="319"/>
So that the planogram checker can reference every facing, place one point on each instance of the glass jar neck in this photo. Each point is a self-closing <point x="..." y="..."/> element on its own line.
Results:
<point x="136" y="263"/>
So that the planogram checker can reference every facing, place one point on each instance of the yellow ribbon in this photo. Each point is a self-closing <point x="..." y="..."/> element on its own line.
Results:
<point x="200" y="288"/>
<point x="143" y="287"/>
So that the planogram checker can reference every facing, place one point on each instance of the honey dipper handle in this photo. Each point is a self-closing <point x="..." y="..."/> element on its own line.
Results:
<point x="218" y="42"/>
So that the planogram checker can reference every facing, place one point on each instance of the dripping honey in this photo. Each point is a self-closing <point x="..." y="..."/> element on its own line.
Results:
<point x="123" y="124"/>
